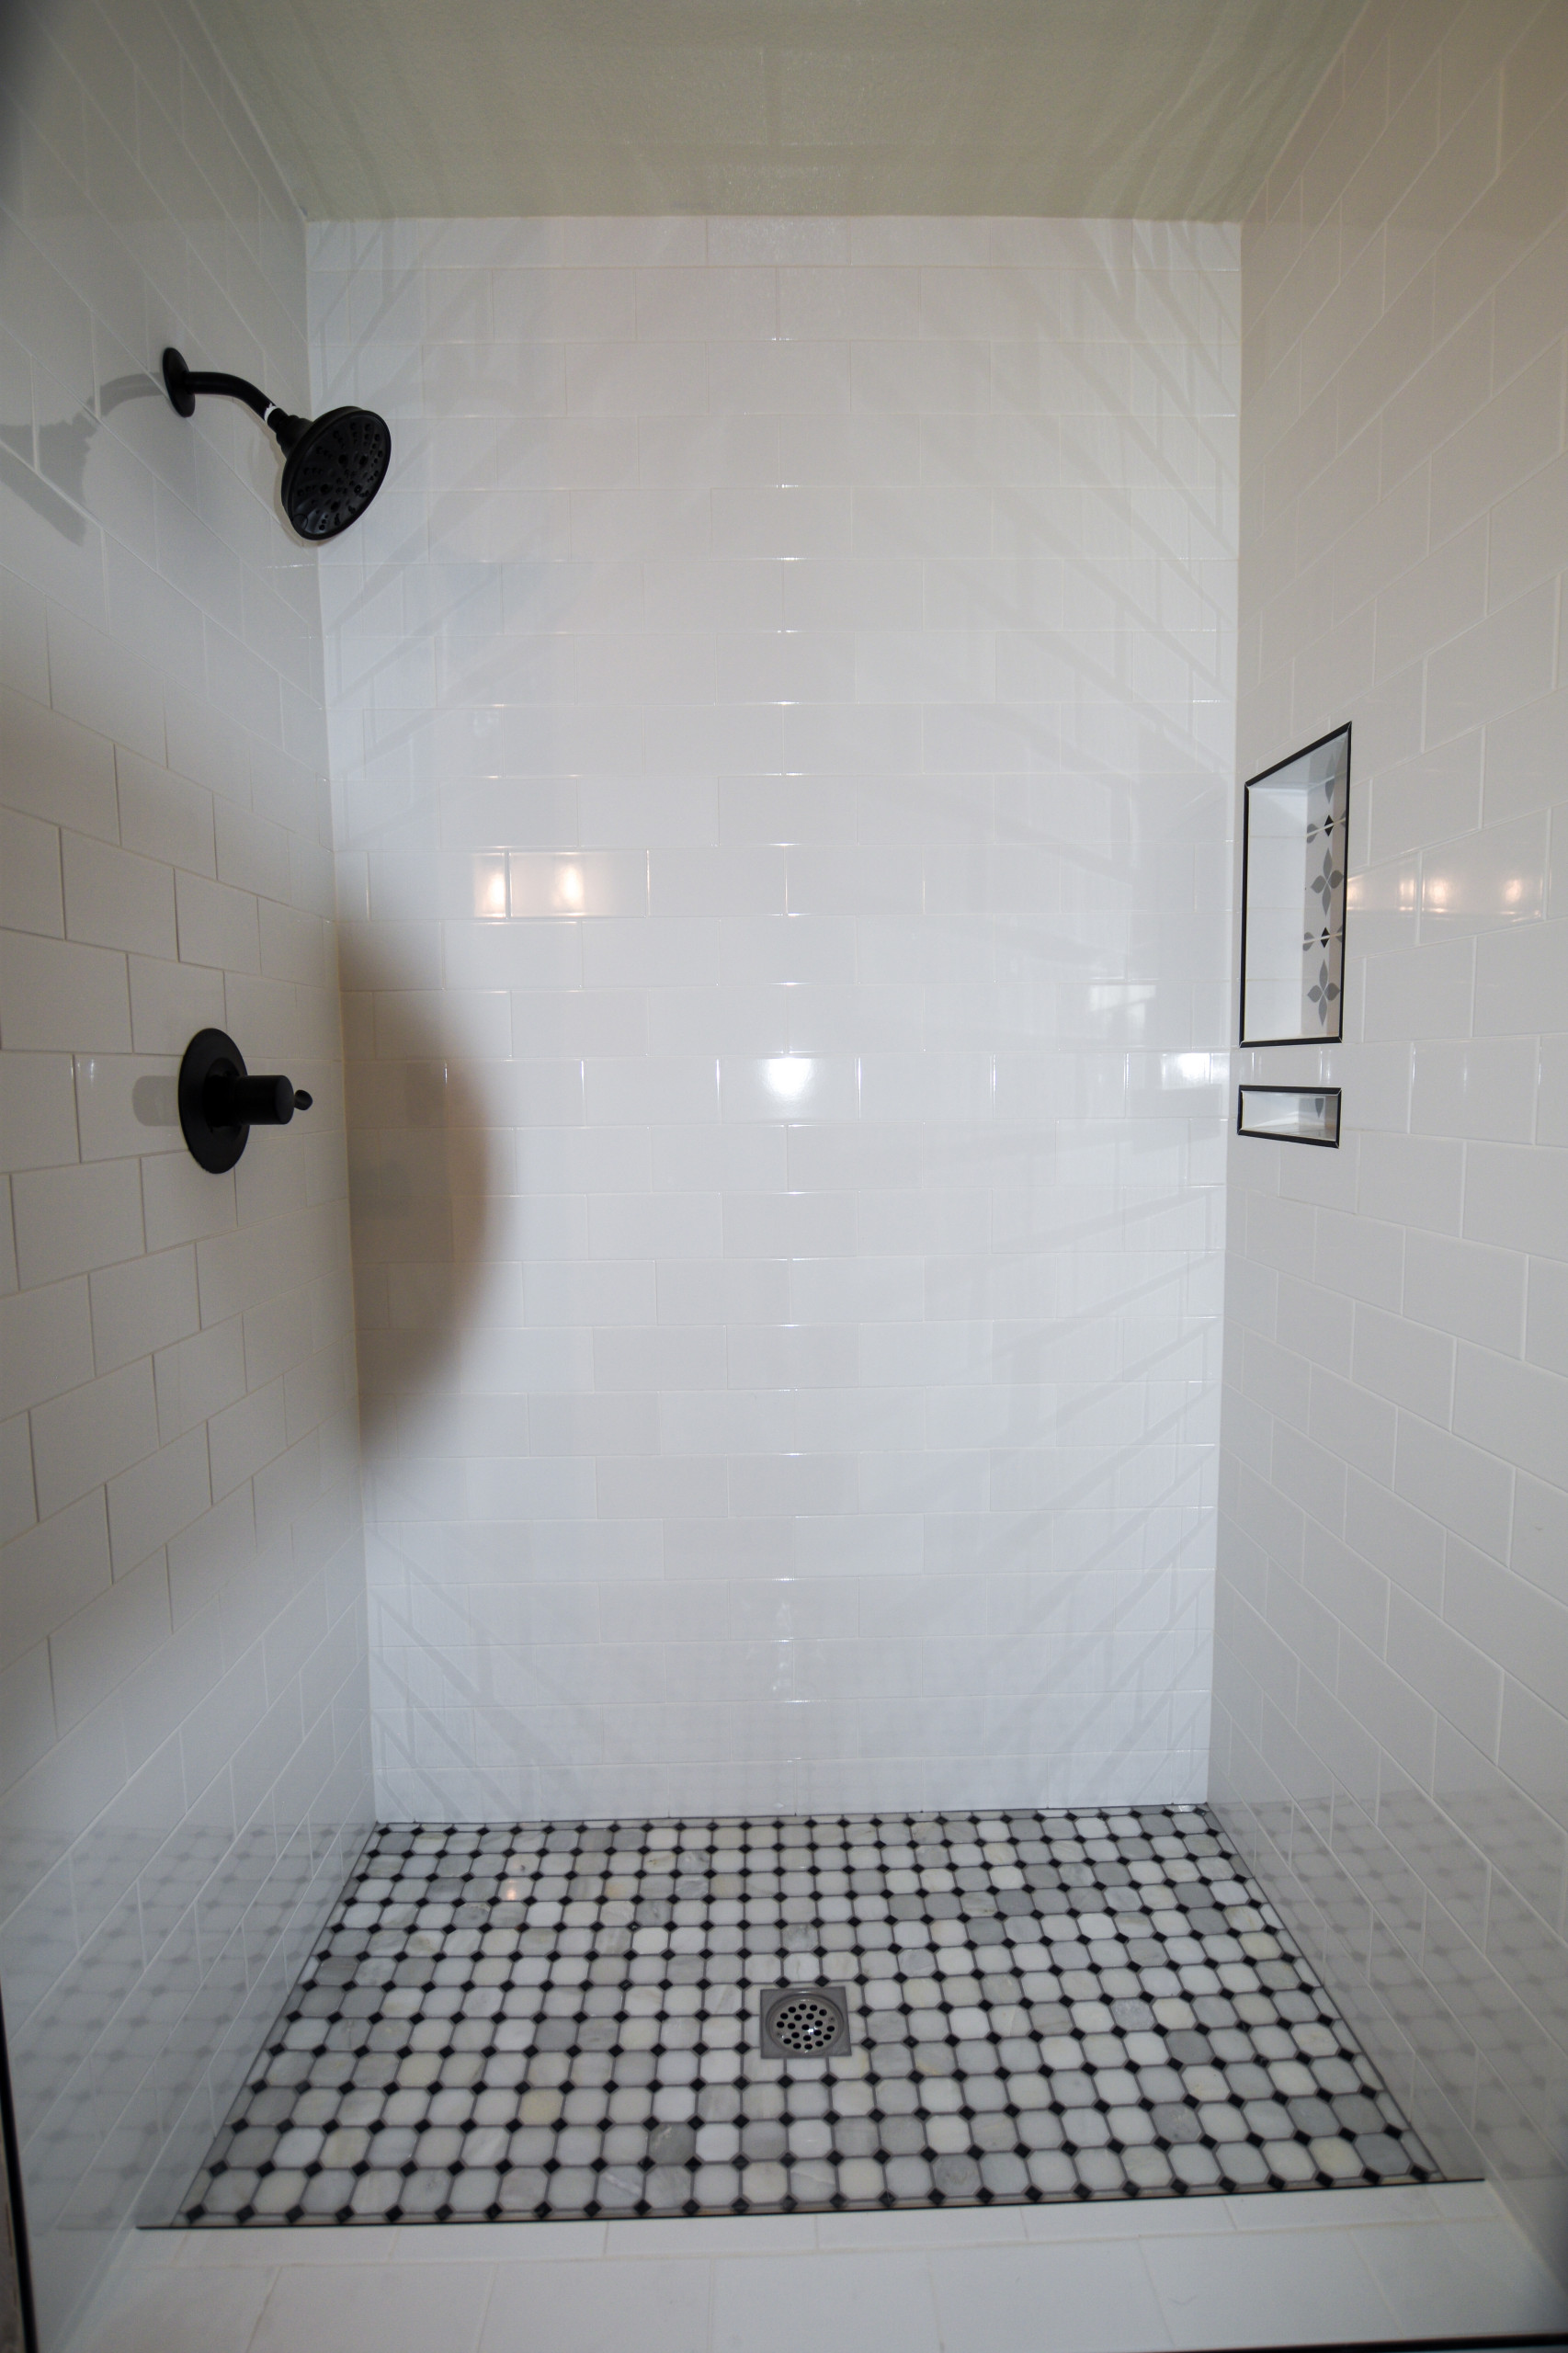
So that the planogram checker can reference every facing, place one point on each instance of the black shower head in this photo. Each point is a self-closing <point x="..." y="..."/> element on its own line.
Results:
<point x="334" y="465"/>
<point x="334" y="469"/>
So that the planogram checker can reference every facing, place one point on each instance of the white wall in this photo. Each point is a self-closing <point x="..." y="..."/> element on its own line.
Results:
<point x="1391" y="1675"/>
<point x="781" y="729"/>
<point x="183" y="1752"/>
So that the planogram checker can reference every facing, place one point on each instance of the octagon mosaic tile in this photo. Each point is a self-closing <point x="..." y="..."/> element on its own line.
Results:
<point x="562" y="2020"/>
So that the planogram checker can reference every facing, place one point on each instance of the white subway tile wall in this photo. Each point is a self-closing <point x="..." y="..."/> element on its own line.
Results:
<point x="184" y="1744"/>
<point x="1391" y="1675"/>
<point x="781" y="721"/>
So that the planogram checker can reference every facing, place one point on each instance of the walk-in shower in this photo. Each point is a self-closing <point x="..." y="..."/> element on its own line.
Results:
<point x="783" y="1468"/>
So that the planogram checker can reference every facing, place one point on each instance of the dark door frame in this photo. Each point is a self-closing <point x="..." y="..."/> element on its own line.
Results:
<point x="18" y="2215"/>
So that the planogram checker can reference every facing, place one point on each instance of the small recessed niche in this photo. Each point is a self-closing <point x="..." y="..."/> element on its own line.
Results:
<point x="1290" y="1114"/>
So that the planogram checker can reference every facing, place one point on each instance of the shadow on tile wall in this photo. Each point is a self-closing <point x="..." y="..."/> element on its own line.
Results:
<point x="421" y="1171"/>
<point x="423" y="1185"/>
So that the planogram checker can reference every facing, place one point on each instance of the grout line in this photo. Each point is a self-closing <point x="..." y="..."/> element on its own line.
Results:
<point x="1161" y="2305"/>
<point x="255" y="2330"/>
<point x="937" y="2330"/>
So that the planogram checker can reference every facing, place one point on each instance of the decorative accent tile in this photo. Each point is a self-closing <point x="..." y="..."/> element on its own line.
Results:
<point x="562" y="2020"/>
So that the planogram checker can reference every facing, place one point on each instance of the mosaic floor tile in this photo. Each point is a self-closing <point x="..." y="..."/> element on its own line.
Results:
<point x="562" y="2020"/>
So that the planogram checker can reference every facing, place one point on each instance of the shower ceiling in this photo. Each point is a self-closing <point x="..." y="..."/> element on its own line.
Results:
<point x="1136" y="109"/>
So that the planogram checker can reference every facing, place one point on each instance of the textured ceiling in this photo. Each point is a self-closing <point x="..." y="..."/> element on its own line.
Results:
<point x="1156" y="108"/>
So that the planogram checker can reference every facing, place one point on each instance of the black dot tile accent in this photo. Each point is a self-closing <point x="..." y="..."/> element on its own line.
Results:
<point x="560" y="2021"/>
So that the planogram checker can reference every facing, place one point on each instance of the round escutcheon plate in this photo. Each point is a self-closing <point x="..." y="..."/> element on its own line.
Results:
<point x="211" y="1054"/>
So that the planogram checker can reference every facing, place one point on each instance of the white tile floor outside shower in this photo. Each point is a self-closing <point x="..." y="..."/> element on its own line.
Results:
<point x="1341" y="2266"/>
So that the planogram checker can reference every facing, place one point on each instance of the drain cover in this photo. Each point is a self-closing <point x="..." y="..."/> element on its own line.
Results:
<point x="803" y="2022"/>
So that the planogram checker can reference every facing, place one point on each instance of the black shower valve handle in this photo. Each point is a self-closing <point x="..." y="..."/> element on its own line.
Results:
<point x="221" y="1101"/>
<point x="233" y="1102"/>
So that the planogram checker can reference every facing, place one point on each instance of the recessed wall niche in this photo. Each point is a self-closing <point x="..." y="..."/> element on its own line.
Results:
<point x="1293" y="843"/>
<point x="1290" y="1114"/>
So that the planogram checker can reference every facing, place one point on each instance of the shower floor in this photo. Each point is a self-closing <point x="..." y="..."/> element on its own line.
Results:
<point x="561" y="2021"/>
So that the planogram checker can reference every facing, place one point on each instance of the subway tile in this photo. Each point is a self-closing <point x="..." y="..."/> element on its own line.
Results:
<point x="628" y="380"/>
<point x="1485" y="879"/>
<point x="114" y="900"/>
<point x="1402" y="1362"/>
<point x="1482" y="1089"/>
<point x="1519" y="978"/>
<point x="1357" y="1255"/>
<point x="57" y="770"/>
<point x="38" y="1108"/>
<point x="48" y="1346"/>
<point x="1519" y="1625"/>
<point x="1513" y="1198"/>
<point x="55" y="994"/>
<point x="1420" y="993"/>
<point x="1520" y="755"/>
<point x="1461" y="1681"/>
<point x="29" y="1727"/>
<point x="126" y="1107"/>
<point x="116" y="1632"/>
<point x="1465" y="1288"/>
<point x="1546" y="1331"/>
<point x="104" y="686"/>
<point x="32" y="876"/>
<point x="17" y="1505"/>
<point x="158" y="1498"/>
<point x="70" y="1220"/>
<point x="1514" y="1409"/>
<point x="182" y="1201"/>
<point x="1501" y="443"/>
<point x="217" y="924"/>
<point x="169" y="1002"/>
<point x="1495" y="665"/>
<point x="164" y="816"/>
<point x="53" y="1571"/>
<point x="86" y="1436"/>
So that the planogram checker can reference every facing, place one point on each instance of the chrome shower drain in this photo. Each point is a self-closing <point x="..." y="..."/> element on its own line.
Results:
<point x="804" y="2022"/>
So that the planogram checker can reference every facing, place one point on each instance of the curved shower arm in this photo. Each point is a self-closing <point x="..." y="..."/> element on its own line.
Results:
<point x="183" y="384"/>
<point x="333" y="465"/>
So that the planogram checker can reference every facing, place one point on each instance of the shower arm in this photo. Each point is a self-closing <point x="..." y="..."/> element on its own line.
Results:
<point x="333" y="465"/>
<point x="183" y="384"/>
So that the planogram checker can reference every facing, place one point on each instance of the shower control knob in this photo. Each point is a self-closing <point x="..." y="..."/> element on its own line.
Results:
<point x="220" y="1102"/>
<point x="250" y="1102"/>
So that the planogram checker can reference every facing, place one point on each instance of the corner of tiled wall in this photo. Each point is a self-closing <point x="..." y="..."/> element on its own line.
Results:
<point x="183" y="1747"/>
<point x="1392" y="1669"/>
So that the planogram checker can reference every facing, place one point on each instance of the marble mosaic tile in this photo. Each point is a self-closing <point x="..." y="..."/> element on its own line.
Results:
<point x="562" y="2020"/>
